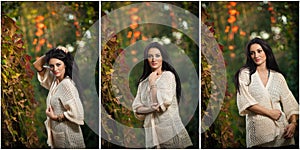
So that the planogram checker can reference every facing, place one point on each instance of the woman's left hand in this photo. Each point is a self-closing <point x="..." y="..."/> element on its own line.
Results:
<point x="50" y="113"/>
<point x="63" y="49"/>
<point x="289" y="131"/>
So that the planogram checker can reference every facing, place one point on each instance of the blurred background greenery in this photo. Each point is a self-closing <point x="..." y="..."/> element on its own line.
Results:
<point x="233" y="24"/>
<point x="42" y="26"/>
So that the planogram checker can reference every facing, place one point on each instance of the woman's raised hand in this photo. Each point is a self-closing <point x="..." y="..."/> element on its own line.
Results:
<point x="152" y="77"/>
<point x="63" y="49"/>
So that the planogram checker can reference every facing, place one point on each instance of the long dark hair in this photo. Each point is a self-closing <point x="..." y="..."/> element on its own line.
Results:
<point x="71" y="67"/>
<point x="166" y="66"/>
<point x="250" y="64"/>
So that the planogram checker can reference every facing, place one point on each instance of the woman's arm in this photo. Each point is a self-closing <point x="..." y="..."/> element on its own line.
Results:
<point x="289" y="130"/>
<point x="38" y="65"/>
<point x="293" y="119"/>
<point x="271" y="113"/>
<point x="153" y="88"/>
<point x="146" y="110"/>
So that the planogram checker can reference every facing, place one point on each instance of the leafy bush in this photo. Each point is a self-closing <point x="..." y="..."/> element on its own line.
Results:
<point x="17" y="99"/>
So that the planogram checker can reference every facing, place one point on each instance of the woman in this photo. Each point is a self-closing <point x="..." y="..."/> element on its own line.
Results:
<point x="157" y="100"/>
<point x="64" y="108"/>
<point x="264" y="98"/>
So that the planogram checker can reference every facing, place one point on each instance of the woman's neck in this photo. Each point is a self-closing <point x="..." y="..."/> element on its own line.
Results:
<point x="58" y="80"/>
<point x="261" y="68"/>
<point x="159" y="71"/>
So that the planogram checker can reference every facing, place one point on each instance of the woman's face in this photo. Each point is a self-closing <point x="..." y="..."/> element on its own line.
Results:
<point x="57" y="67"/>
<point x="155" y="58"/>
<point x="257" y="54"/>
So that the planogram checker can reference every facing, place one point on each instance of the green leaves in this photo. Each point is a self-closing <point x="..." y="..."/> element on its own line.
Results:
<point x="16" y="89"/>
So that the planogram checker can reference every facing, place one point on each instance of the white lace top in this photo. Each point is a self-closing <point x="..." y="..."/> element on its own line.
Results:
<point x="64" y="99"/>
<point x="162" y="127"/>
<point x="261" y="130"/>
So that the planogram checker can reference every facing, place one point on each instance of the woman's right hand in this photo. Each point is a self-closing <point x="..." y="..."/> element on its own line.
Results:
<point x="155" y="107"/>
<point x="274" y="114"/>
<point x="152" y="77"/>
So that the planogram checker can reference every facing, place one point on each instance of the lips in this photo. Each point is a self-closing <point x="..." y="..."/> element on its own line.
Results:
<point x="153" y="63"/>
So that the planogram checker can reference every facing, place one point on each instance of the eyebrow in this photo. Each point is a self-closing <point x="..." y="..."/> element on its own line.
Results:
<point x="255" y="50"/>
<point x="155" y="54"/>
<point x="55" y="63"/>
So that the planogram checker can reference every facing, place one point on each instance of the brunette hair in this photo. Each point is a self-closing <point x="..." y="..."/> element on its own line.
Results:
<point x="72" y="70"/>
<point x="250" y="64"/>
<point x="166" y="66"/>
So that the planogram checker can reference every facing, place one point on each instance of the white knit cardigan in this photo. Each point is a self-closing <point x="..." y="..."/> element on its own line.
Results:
<point x="261" y="130"/>
<point x="162" y="127"/>
<point x="64" y="99"/>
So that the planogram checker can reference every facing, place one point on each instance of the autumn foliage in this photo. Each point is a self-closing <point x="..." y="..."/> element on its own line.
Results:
<point x="17" y="100"/>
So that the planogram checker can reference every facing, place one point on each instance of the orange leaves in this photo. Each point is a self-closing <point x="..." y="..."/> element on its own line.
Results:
<point x="134" y="17"/>
<point x="53" y="13"/>
<point x="76" y="23"/>
<point x="39" y="18"/>
<point x="42" y="41"/>
<point x="144" y="38"/>
<point x="77" y="33"/>
<point x="272" y="11"/>
<point x="136" y="34"/>
<point x="232" y="4"/>
<point x="227" y="29"/>
<point x="242" y="33"/>
<point x="232" y="12"/>
<point x="39" y="32"/>
<point x="133" y="10"/>
<point x="231" y="19"/>
<point x="273" y="19"/>
<point x="49" y="45"/>
<point x="134" y="25"/>
<point x="234" y="29"/>
<point x="34" y="41"/>
<point x="40" y="25"/>
<point x="232" y="55"/>
<point x="231" y="47"/>
<point x="129" y="34"/>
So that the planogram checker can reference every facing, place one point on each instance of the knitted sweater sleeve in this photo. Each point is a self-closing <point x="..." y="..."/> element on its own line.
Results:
<point x="70" y="99"/>
<point x="166" y="90"/>
<point x="138" y="103"/>
<point x="288" y="101"/>
<point x="46" y="80"/>
<point x="244" y="98"/>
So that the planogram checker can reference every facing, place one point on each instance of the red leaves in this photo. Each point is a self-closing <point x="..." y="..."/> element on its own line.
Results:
<point x="17" y="91"/>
